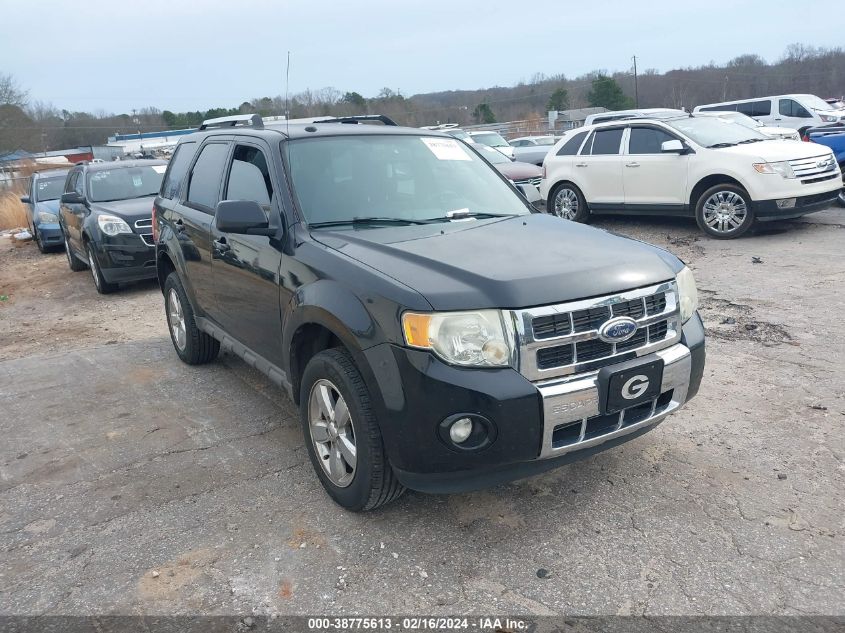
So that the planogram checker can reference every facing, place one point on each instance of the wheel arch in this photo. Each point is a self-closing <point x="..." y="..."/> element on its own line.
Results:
<point x="564" y="181"/>
<point x="711" y="181"/>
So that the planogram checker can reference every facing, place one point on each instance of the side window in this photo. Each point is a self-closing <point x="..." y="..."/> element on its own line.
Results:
<point x="249" y="177"/>
<point x="647" y="140"/>
<point x="204" y="182"/>
<point x="177" y="169"/>
<point x="570" y="148"/>
<point x="730" y="107"/>
<point x="607" y="142"/>
<point x="790" y="107"/>
<point x="755" y="108"/>
<point x="70" y="185"/>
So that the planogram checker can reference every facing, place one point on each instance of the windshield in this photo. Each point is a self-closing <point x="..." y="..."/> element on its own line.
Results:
<point x="493" y="155"/>
<point x="49" y="189"/>
<point x="124" y="183"/>
<point x="710" y="131"/>
<point x="459" y="134"/>
<point x="393" y="177"/>
<point x="490" y="138"/>
<point x="814" y="102"/>
<point x="545" y="140"/>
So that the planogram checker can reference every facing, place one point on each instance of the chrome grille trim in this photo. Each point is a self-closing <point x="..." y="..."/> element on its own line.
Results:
<point x="806" y="167"/>
<point x="528" y="346"/>
<point x="529" y="181"/>
<point x="147" y="238"/>
<point x="144" y="224"/>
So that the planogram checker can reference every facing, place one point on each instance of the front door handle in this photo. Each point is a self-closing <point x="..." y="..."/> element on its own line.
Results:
<point x="221" y="246"/>
<point x="180" y="226"/>
<point x="632" y="164"/>
<point x="580" y="164"/>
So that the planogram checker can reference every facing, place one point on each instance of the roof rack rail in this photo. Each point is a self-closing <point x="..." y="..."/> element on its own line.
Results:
<point x="358" y="118"/>
<point x="248" y="120"/>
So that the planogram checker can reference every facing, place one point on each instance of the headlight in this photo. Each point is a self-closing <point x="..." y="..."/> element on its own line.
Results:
<point x="687" y="294"/>
<point x="111" y="225"/>
<point x="470" y="339"/>
<point x="828" y="118"/>
<point x="783" y="168"/>
<point x="47" y="217"/>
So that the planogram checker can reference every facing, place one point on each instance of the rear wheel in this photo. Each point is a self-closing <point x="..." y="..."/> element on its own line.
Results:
<point x="724" y="211"/>
<point x="100" y="283"/>
<point x="193" y="346"/>
<point x="566" y="201"/>
<point x="73" y="261"/>
<point x="342" y="435"/>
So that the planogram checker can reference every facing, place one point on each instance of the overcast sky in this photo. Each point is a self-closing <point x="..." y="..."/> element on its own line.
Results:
<point x="116" y="55"/>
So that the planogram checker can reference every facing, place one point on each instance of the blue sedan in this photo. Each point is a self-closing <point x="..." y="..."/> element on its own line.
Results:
<point x="42" y="208"/>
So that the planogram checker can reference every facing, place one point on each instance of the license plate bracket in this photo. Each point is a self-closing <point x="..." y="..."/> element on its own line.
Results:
<point x="630" y="383"/>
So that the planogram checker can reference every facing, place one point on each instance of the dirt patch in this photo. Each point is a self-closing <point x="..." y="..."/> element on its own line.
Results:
<point x="172" y="580"/>
<point x="733" y="321"/>
<point x="45" y="307"/>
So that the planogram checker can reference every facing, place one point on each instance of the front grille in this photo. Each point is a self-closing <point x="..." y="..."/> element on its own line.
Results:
<point x="563" y="339"/>
<point x="811" y="181"/>
<point x="144" y="224"/>
<point x="815" y="166"/>
<point x="147" y="238"/>
<point x="590" y="428"/>
<point x="528" y="181"/>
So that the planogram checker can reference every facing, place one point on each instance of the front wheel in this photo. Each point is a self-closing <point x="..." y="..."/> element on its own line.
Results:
<point x="103" y="287"/>
<point x="342" y="435"/>
<point x="724" y="211"/>
<point x="566" y="201"/>
<point x="72" y="261"/>
<point x="38" y="241"/>
<point x="841" y="198"/>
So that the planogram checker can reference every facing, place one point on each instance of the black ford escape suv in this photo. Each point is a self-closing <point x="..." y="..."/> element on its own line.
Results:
<point x="435" y="331"/>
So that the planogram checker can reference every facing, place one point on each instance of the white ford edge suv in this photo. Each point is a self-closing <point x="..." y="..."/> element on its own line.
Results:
<point x="725" y="175"/>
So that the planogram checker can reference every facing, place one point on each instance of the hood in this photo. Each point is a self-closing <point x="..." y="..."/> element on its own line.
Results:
<point x="776" y="150"/>
<point x="776" y="131"/>
<point x="130" y="210"/>
<point x="48" y="206"/>
<point x="517" y="262"/>
<point x="519" y="171"/>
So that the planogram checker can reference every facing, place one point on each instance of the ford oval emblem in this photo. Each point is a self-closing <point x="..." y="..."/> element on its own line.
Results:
<point x="618" y="330"/>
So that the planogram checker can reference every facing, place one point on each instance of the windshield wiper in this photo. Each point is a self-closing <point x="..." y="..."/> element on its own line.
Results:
<point x="463" y="215"/>
<point x="750" y="140"/>
<point x="363" y="221"/>
<point x="718" y="145"/>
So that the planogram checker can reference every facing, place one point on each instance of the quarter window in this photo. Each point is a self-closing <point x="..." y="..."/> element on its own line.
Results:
<point x="647" y="140"/>
<point x="570" y="148"/>
<point x="249" y="177"/>
<point x="177" y="169"/>
<point x="607" y="142"/>
<point x="206" y="176"/>
<point x="755" y="108"/>
<point x="791" y="108"/>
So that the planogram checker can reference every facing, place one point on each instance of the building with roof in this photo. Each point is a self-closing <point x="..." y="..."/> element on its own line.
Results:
<point x="567" y="119"/>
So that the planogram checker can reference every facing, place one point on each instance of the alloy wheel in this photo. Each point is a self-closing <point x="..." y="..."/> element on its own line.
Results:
<point x="176" y="320"/>
<point x="566" y="204"/>
<point x="332" y="433"/>
<point x="725" y="211"/>
<point x="93" y="266"/>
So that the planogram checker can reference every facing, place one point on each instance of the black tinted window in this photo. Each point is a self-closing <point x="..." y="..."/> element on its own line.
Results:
<point x="570" y="148"/>
<point x="755" y="108"/>
<point x="207" y="174"/>
<point x="790" y="107"/>
<point x="249" y="176"/>
<point x="70" y="184"/>
<point x="731" y="107"/>
<point x="177" y="169"/>
<point x="647" y="140"/>
<point x="607" y="142"/>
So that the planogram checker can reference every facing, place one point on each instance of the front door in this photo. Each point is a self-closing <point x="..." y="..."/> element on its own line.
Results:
<point x="73" y="213"/>
<point x="245" y="268"/>
<point x="651" y="178"/>
<point x="792" y="114"/>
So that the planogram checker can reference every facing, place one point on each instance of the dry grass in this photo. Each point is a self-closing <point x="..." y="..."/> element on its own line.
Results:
<point x="12" y="213"/>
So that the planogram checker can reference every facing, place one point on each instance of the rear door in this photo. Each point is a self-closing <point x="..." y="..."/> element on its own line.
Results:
<point x="194" y="215"/>
<point x="652" y="178"/>
<point x="598" y="168"/>
<point x="245" y="268"/>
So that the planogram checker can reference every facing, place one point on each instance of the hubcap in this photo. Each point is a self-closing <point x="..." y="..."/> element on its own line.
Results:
<point x="725" y="211"/>
<point x="176" y="320"/>
<point x="92" y="265"/>
<point x="566" y="204"/>
<point x="332" y="433"/>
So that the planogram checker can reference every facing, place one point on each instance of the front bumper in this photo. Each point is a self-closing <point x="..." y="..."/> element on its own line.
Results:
<point x="767" y="210"/>
<point x="51" y="234"/>
<point x="535" y="422"/>
<point x="125" y="258"/>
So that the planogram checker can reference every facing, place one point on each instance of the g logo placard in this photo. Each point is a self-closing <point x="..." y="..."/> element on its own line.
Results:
<point x="634" y="387"/>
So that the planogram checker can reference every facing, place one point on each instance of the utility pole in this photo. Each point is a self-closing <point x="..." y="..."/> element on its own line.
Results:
<point x="636" y="88"/>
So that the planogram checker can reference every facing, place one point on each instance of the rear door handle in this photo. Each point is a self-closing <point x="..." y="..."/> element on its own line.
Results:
<point x="580" y="164"/>
<point x="632" y="164"/>
<point x="220" y="245"/>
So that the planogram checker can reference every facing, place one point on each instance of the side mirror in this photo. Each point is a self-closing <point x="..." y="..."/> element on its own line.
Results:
<point x="245" y="217"/>
<point x="672" y="147"/>
<point x="72" y="197"/>
<point x="26" y="200"/>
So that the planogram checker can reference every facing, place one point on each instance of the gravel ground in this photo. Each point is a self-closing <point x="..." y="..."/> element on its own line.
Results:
<point x="133" y="484"/>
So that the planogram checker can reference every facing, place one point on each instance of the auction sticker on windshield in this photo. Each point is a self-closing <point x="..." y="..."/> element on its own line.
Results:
<point x="446" y="148"/>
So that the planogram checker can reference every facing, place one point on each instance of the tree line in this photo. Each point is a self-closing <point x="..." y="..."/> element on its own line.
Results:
<point x="38" y="126"/>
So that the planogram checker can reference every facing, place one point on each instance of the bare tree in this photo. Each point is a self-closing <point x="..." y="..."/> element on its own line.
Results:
<point x="10" y="92"/>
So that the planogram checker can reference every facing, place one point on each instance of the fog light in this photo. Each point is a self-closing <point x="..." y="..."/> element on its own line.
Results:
<point x="786" y="203"/>
<point x="460" y="430"/>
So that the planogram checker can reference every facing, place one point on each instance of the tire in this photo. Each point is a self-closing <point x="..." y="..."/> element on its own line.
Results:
<point x="841" y="198"/>
<point x="369" y="482"/>
<point x="724" y="211"/>
<point x="194" y="347"/>
<point x="38" y="241"/>
<point x="566" y="201"/>
<point x="100" y="283"/>
<point x="73" y="261"/>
